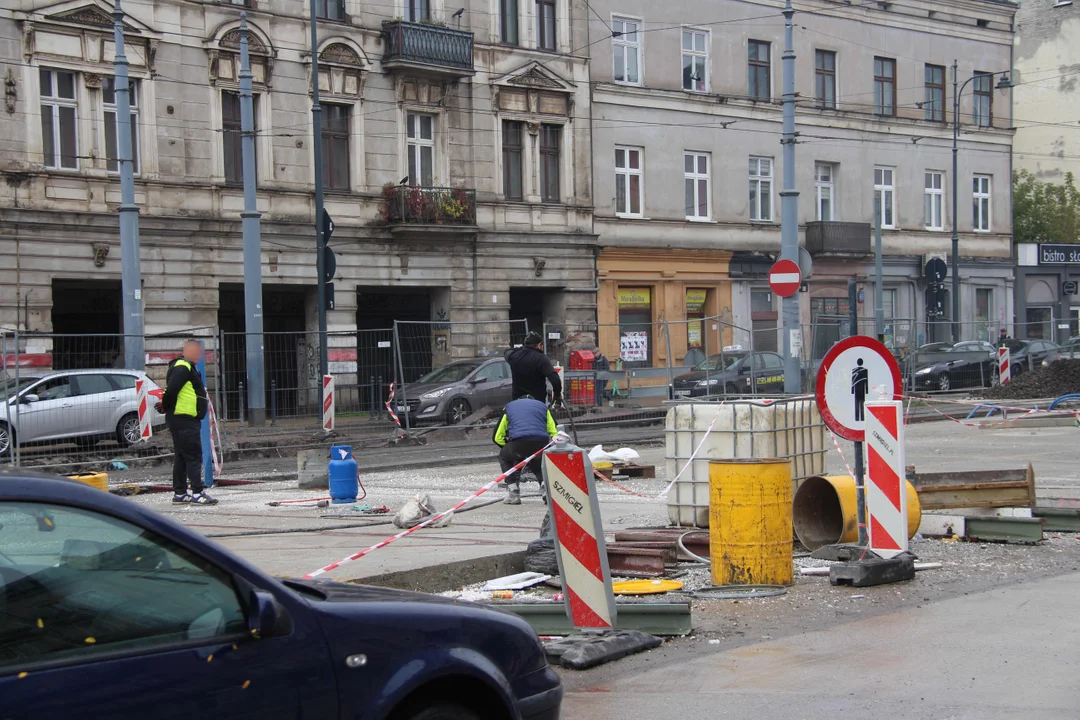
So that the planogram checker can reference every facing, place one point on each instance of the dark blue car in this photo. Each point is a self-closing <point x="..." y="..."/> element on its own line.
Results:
<point x="109" y="610"/>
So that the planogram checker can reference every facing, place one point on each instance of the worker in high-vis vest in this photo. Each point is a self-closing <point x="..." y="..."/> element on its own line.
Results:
<point x="526" y="427"/>
<point x="184" y="403"/>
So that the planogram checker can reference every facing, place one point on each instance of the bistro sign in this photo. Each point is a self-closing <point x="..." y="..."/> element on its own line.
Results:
<point x="1059" y="254"/>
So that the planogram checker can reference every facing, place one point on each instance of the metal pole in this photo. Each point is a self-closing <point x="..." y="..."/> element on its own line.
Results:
<point x="403" y="402"/>
<point x="131" y="277"/>
<point x="860" y="490"/>
<point x="955" y="208"/>
<point x="320" y="237"/>
<point x="18" y="406"/>
<point x="253" y="326"/>
<point x="7" y="401"/>
<point x="879" y="291"/>
<point x="789" y="210"/>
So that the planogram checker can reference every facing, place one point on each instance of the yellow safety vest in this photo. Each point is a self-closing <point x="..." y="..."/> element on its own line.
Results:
<point x="187" y="402"/>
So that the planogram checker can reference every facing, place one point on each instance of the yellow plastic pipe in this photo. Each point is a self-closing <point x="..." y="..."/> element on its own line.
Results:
<point x="825" y="511"/>
<point x="750" y="522"/>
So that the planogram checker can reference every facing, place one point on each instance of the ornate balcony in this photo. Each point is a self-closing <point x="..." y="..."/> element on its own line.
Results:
<point x="408" y="207"/>
<point x="838" y="238"/>
<point x="429" y="48"/>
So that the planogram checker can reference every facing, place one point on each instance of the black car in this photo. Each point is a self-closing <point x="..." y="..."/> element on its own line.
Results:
<point x="948" y="367"/>
<point x="1025" y="355"/>
<point x="733" y="373"/>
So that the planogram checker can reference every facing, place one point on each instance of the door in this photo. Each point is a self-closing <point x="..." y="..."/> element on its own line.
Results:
<point x="50" y="416"/>
<point x="98" y="405"/>
<point x="491" y="389"/>
<point x="769" y="373"/>
<point x="116" y="621"/>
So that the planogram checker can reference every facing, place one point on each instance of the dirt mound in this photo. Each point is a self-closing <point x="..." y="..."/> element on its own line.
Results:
<point x="1054" y="380"/>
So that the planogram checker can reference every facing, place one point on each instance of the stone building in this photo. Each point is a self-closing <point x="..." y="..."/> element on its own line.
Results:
<point x="485" y="100"/>
<point x="688" y="169"/>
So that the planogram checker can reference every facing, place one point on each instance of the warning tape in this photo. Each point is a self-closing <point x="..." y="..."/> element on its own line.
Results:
<point x="433" y="518"/>
<point x="390" y="409"/>
<point x="625" y="489"/>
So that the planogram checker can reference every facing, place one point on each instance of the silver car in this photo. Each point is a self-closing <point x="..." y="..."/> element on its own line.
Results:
<point x="80" y="406"/>
<point x="453" y="392"/>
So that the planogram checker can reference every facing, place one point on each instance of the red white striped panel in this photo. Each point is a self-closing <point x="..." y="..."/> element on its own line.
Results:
<point x="1004" y="365"/>
<point x="328" y="402"/>
<point x="886" y="481"/>
<point x="145" y="425"/>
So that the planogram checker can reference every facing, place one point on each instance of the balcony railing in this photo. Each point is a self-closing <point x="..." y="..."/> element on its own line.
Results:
<point x="838" y="238"/>
<point x="412" y="205"/>
<point x="420" y="45"/>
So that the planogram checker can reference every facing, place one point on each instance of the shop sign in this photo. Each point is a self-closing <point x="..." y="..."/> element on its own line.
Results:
<point x="695" y="300"/>
<point x="634" y="298"/>
<point x="693" y="333"/>
<point x="634" y="346"/>
<point x="1059" y="254"/>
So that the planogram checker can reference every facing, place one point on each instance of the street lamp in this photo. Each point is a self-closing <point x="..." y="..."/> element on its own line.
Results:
<point x="1003" y="84"/>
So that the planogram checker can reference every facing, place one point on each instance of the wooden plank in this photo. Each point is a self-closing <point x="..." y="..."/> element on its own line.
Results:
<point x="975" y="489"/>
<point x="974" y="477"/>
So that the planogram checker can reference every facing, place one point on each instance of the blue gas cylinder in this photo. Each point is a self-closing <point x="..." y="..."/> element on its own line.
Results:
<point x="343" y="474"/>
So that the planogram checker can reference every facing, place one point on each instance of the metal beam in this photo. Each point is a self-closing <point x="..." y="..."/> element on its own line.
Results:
<point x="1028" y="530"/>
<point x="665" y="619"/>
<point x="1059" y="519"/>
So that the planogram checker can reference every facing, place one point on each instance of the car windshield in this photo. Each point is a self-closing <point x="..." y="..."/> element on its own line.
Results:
<point x="935" y="347"/>
<point x="24" y="382"/>
<point x="725" y="361"/>
<point x="452" y="373"/>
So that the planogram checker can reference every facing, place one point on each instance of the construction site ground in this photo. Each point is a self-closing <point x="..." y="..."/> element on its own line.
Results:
<point x="292" y="540"/>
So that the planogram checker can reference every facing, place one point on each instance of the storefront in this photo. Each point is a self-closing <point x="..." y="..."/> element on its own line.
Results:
<point x="660" y="307"/>
<point x="1047" y="302"/>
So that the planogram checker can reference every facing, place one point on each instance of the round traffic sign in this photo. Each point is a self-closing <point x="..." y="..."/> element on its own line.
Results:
<point x="785" y="278"/>
<point x="855" y="370"/>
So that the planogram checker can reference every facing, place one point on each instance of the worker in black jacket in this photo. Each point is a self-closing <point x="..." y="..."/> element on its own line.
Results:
<point x="530" y="368"/>
<point x="184" y="403"/>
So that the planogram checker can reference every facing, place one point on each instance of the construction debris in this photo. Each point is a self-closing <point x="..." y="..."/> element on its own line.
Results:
<point x="520" y="581"/>
<point x="975" y="489"/>
<point x="581" y="652"/>
<point x="1056" y="379"/>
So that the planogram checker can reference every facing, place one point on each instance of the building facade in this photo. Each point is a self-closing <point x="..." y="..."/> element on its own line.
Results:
<point x="456" y="164"/>
<point x="687" y="158"/>
<point x="1047" y="62"/>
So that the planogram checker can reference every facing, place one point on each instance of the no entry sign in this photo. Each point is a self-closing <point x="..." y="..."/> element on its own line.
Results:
<point x="854" y="371"/>
<point x="785" y="278"/>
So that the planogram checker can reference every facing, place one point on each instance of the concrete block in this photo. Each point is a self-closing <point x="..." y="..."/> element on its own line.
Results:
<point x="581" y="652"/>
<point x="312" y="469"/>
<point x="873" y="571"/>
<point x="942" y="525"/>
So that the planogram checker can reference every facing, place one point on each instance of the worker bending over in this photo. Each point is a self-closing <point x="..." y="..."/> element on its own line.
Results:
<point x="526" y="427"/>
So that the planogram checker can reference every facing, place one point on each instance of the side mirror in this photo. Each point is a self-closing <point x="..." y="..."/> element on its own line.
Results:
<point x="266" y="617"/>
<point x="29" y="398"/>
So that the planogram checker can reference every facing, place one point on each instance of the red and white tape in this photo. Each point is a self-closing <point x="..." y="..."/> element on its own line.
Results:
<point x="390" y="409"/>
<point x="430" y="520"/>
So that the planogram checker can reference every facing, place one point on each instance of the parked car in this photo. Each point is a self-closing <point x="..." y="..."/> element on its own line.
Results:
<point x="1070" y="350"/>
<point x="111" y="610"/>
<point x="948" y="367"/>
<point x="1027" y="355"/>
<point x="80" y="406"/>
<point x="733" y="373"/>
<point x="453" y="392"/>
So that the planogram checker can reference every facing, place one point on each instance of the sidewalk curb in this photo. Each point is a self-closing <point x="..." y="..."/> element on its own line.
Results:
<point x="448" y="576"/>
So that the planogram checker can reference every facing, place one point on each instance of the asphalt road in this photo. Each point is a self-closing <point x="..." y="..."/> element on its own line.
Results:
<point x="1004" y="653"/>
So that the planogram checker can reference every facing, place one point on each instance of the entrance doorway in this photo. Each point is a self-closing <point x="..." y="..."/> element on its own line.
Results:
<point x="376" y="310"/>
<point x="87" y="319"/>
<point x="527" y="304"/>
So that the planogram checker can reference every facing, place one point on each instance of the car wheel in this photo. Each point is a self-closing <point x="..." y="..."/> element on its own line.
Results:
<point x="441" y="711"/>
<point x="6" y="437"/>
<point x="459" y="410"/>
<point x="127" y="430"/>
<point x="943" y="382"/>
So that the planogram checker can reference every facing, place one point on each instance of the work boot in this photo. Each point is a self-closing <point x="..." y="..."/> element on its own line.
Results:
<point x="513" y="494"/>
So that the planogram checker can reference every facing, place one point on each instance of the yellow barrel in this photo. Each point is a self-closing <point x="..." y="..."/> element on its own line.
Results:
<point x="750" y="522"/>
<point x="99" y="480"/>
<point x="826" y="511"/>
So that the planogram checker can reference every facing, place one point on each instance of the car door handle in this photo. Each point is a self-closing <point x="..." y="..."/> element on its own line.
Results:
<point x="114" y="399"/>
<point x="65" y="404"/>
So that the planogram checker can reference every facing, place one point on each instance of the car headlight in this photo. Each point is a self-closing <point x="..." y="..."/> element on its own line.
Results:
<point x="436" y="393"/>
<point x="924" y="371"/>
<point x="707" y="383"/>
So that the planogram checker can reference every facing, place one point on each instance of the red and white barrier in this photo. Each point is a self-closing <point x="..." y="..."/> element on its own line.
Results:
<point x="328" y="402"/>
<point x="390" y="408"/>
<point x="1004" y="365"/>
<point x="146" y="427"/>
<point x="579" y="538"/>
<point x="886" y="481"/>
<point x="430" y="520"/>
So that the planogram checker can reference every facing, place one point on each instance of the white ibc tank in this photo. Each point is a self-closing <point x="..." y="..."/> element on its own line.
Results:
<point x="742" y="429"/>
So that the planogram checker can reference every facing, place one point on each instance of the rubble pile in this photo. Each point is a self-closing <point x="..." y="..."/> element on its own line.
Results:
<point x="1054" y="380"/>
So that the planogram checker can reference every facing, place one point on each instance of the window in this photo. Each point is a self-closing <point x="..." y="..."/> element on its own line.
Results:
<point x="888" y="304"/>
<point x="983" y="88"/>
<point x="550" y="138"/>
<point x="761" y="176"/>
<point x="627" y="45"/>
<point x="417" y="10"/>
<point x="885" y="197"/>
<point x="628" y="181"/>
<point x="112" y="131"/>
<point x="696" y="171"/>
<point x="695" y="60"/>
<point x="508" y="21"/>
<point x="335" y="146"/>
<point x="635" y="326"/>
<point x="231" y="135"/>
<point x="934" y="102"/>
<point x="59" y="113"/>
<point x="935" y="200"/>
<point x="825" y="78"/>
<point x="758" y="70"/>
<point x="93" y="384"/>
<point x="884" y="86"/>
<point x="99" y="585"/>
<point x="53" y="389"/>
<point x="980" y="193"/>
<point x="421" y="149"/>
<point x="330" y="9"/>
<point x="984" y="305"/>
<point x="494" y="372"/>
<point x="513" y="153"/>
<point x="823" y="184"/>
<point x="122" y="382"/>
<point x="545" y="24"/>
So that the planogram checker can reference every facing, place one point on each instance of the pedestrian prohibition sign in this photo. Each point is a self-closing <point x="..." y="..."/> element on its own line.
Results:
<point x="785" y="278"/>
<point x="855" y="370"/>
